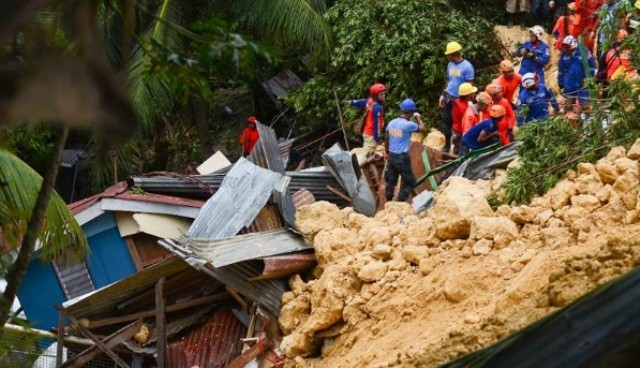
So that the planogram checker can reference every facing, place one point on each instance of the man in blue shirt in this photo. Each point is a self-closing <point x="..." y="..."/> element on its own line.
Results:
<point x="396" y="144"/>
<point x="536" y="98"/>
<point x="459" y="71"/>
<point x="535" y="53"/>
<point x="571" y="73"/>
<point x="486" y="132"/>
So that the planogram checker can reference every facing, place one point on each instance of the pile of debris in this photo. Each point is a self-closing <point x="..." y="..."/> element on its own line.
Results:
<point x="407" y="290"/>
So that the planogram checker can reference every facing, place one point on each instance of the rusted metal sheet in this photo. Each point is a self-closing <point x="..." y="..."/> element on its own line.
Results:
<point x="268" y="219"/>
<point x="303" y="197"/>
<point x="286" y="264"/>
<point x="212" y="345"/>
<point x="280" y="85"/>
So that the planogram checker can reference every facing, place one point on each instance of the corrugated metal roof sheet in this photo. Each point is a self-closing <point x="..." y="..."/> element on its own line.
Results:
<point x="267" y="293"/>
<point x="212" y="345"/>
<point x="70" y="157"/>
<point x="287" y="264"/>
<point x="243" y="193"/>
<point x="282" y="83"/>
<point x="203" y="186"/>
<point x="303" y="197"/>
<point x="226" y="251"/>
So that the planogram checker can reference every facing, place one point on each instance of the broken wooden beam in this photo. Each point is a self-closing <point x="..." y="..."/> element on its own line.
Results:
<point x="110" y="341"/>
<point x="339" y="193"/>
<point x="150" y="313"/>
<point x="161" y="345"/>
<point x="257" y="349"/>
<point x="60" y="338"/>
<point x="85" y="331"/>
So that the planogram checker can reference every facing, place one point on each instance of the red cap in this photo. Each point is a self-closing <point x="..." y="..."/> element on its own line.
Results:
<point x="252" y="119"/>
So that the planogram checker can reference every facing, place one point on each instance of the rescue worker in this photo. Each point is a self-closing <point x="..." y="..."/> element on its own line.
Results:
<point x="558" y="8"/>
<point x="373" y="118"/>
<point x="466" y="93"/>
<point x="459" y="71"/>
<point x="540" y="11"/>
<point x="617" y="58"/>
<point x="396" y="143"/>
<point x="476" y="112"/>
<point x="509" y="80"/>
<point x="495" y="91"/>
<point x="587" y="11"/>
<point x="571" y="73"/>
<point x="535" y="53"/>
<point x="536" y="98"/>
<point x="487" y="132"/>
<point x="249" y="136"/>
<point x="566" y="25"/>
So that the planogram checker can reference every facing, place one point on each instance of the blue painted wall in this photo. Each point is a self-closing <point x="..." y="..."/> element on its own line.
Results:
<point x="109" y="260"/>
<point x="39" y="292"/>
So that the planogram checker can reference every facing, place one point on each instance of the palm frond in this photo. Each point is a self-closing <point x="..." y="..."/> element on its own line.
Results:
<point x="288" y="22"/>
<point x="19" y="186"/>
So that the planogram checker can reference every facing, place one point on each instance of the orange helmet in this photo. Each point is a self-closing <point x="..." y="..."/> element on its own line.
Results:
<point x="252" y="120"/>
<point x="483" y="97"/>
<point x="493" y="89"/>
<point x="506" y="66"/>
<point x="376" y="88"/>
<point x="497" y="111"/>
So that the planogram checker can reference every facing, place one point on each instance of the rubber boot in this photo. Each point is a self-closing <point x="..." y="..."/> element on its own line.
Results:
<point x="509" y="20"/>
<point x="523" y="17"/>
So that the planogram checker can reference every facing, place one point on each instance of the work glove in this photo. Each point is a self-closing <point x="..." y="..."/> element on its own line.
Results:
<point x="528" y="53"/>
<point x="416" y="114"/>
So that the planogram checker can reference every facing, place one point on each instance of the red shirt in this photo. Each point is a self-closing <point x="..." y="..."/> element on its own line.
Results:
<point x="587" y="11"/>
<point x="566" y="25"/>
<point x="248" y="139"/>
<point x="616" y="58"/>
<point x="457" y="113"/>
<point x="509" y="86"/>
<point x="472" y="117"/>
<point x="509" y="116"/>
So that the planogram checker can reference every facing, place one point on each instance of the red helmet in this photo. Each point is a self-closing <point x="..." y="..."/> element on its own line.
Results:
<point x="252" y="120"/>
<point x="377" y="88"/>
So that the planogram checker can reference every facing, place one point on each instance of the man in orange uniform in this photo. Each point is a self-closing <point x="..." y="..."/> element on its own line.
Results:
<point x="495" y="91"/>
<point x="587" y="11"/>
<point x="373" y="124"/>
<point x="509" y="80"/>
<point x="466" y="93"/>
<point x="249" y="136"/>
<point x="476" y="112"/>
<point x="566" y="25"/>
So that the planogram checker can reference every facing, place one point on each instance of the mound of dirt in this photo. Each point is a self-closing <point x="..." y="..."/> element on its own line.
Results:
<point x="400" y="290"/>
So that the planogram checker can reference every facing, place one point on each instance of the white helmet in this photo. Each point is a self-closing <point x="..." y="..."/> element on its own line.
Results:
<point x="538" y="31"/>
<point x="571" y="41"/>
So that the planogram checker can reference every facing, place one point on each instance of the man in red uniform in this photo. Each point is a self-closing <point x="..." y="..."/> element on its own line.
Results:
<point x="249" y="136"/>
<point x="373" y="119"/>
<point x="509" y="120"/>
<point x="587" y="11"/>
<point x="566" y="25"/>
<point x="509" y="80"/>
<point x="476" y="112"/>
<point x="466" y="93"/>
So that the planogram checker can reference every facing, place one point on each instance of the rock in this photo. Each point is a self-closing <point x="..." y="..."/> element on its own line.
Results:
<point x="458" y="201"/>
<point x="624" y="165"/>
<point x="627" y="186"/>
<point x="586" y="201"/>
<point x="382" y="252"/>
<point x="415" y="255"/>
<point x="604" y="193"/>
<point x="557" y="237"/>
<point x="588" y="184"/>
<point x="631" y="217"/>
<point x="634" y="151"/>
<point x="488" y="227"/>
<point x="373" y="271"/>
<point x="586" y="168"/>
<point x="607" y="171"/>
<point x="482" y="247"/>
<point x="616" y="153"/>
<point x="335" y="244"/>
<point x="427" y="266"/>
<point x="560" y="194"/>
<point x="353" y="313"/>
<point x="287" y="297"/>
<point x="297" y="285"/>
<point x="297" y="344"/>
<point x="313" y="218"/>
<point x="294" y="312"/>
<point x="543" y="217"/>
<point x="523" y="214"/>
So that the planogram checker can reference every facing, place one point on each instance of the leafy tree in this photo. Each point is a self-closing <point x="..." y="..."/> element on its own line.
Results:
<point x="399" y="42"/>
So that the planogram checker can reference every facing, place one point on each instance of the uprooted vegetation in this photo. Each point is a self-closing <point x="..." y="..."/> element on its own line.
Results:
<point x="403" y="290"/>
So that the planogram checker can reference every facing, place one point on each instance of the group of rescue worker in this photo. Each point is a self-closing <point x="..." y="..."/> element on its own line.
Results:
<point x="473" y="120"/>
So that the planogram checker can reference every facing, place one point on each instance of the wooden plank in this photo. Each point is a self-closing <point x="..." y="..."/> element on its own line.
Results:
<point x="243" y="303"/>
<point x="150" y="313"/>
<point x="339" y="193"/>
<point x="110" y="341"/>
<point x="60" y="338"/>
<point x="85" y="331"/>
<point x="161" y="336"/>
<point x="259" y="348"/>
<point x="134" y="252"/>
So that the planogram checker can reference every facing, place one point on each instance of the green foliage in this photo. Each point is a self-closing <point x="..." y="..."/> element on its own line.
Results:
<point x="397" y="41"/>
<point x="19" y="187"/>
<point x="31" y="142"/>
<point x="552" y="147"/>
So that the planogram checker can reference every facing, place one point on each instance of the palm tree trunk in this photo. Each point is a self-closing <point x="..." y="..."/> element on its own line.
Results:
<point x="17" y="271"/>
<point x="201" y="116"/>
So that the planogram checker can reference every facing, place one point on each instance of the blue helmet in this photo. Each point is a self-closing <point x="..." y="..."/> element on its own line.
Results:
<point x="408" y="105"/>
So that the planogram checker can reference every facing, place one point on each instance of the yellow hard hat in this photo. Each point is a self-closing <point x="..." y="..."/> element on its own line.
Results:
<point x="497" y="111"/>
<point x="466" y="89"/>
<point x="452" y="47"/>
<point x="637" y="5"/>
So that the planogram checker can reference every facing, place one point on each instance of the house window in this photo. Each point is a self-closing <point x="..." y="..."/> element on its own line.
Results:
<point x="73" y="276"/>
<point x="145" y="250"/>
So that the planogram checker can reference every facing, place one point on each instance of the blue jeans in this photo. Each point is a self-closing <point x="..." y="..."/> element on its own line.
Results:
<point x="540" y="12"/>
